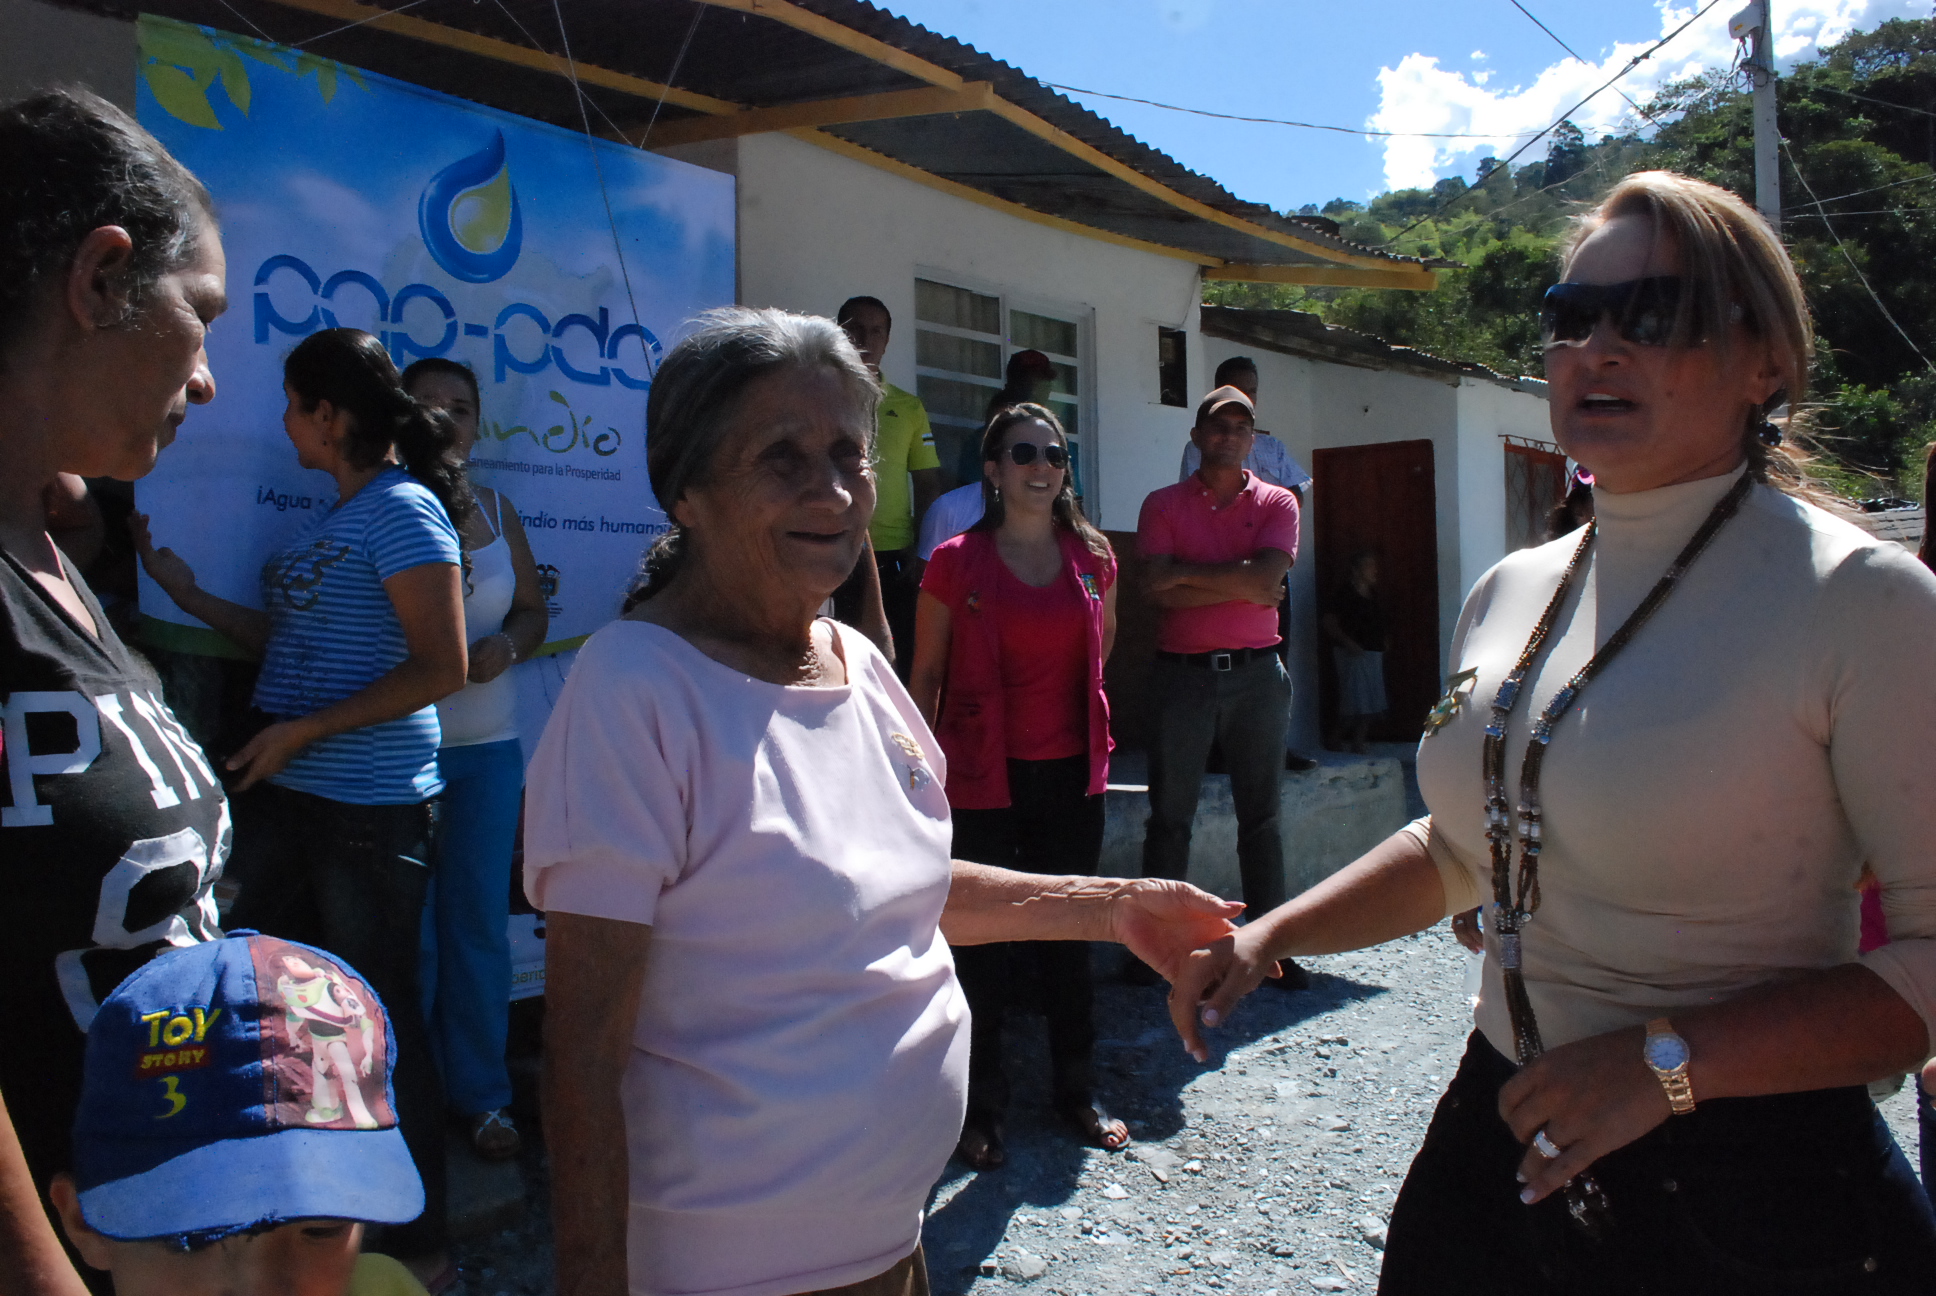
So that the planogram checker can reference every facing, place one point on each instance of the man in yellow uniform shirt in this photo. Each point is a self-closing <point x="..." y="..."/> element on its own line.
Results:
<point x="909" y="474"/>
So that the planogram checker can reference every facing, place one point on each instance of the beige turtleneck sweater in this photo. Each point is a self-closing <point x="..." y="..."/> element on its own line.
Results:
<point x="1712" y="797"/>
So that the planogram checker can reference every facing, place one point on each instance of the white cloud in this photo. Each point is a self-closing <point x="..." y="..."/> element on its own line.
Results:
<point x="1420" y="95"/>
<point x="1477" y="56"/>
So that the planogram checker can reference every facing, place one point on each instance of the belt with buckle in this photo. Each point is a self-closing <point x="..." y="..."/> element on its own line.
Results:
<point x="1220" y="659"/>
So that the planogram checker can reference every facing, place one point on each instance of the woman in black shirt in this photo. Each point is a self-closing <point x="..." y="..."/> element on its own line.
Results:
<point x="113" y="826"/>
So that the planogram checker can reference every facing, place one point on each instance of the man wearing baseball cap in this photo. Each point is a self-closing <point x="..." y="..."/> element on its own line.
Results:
<point x="1217" y="545"/>
<point x="237" y="1129"/>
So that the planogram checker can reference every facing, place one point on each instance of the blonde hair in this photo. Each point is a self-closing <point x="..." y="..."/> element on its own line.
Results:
<point x="1729" y="259"/>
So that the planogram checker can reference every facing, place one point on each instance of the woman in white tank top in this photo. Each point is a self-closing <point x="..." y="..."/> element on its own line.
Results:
<point x="466" y="970"/>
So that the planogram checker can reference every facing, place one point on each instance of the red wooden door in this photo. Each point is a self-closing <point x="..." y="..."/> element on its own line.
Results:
<point x="1382" y="498"/>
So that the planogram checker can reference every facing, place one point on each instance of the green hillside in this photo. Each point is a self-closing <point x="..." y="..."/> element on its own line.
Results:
<point x="1859" y="205"/>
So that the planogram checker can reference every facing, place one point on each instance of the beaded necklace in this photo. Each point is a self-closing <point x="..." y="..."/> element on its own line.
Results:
<point x="1515" y="900"/>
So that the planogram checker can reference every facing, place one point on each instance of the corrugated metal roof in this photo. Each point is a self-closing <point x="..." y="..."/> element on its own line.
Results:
<point x="1302" y="333"/>
<point x="760" y="61"/>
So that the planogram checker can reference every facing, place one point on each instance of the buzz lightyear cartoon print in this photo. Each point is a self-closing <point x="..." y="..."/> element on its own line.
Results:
<point x="328" y="1060"/>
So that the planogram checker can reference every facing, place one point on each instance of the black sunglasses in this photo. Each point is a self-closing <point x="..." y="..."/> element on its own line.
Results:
<point x="1022" y="454"/>
<point x="1645" y="312"/>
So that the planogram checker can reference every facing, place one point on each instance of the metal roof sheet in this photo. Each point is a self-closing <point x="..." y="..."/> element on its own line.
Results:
<point x="760" y="61"/>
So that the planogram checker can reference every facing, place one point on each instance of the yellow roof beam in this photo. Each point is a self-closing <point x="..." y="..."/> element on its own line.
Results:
<point x="846" y="38"/>
<point x="507" y="52"/>
<point x="928" y="101"/>
<point x="1329" y="276"/>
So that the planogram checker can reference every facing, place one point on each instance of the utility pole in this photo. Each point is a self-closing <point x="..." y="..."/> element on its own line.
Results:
<point x="1756" y="24"/>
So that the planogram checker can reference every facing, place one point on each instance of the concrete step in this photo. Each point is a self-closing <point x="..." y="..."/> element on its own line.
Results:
<point x="1328" y="817"/>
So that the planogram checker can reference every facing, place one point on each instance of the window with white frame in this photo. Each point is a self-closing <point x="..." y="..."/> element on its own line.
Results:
<point x="962" y="343"/>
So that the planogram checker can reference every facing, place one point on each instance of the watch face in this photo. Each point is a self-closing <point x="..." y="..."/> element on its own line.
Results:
<point x="1665" y="1052"/>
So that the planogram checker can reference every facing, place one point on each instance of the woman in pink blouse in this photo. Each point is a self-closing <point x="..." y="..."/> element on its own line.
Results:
<point x="756" y="1053"/>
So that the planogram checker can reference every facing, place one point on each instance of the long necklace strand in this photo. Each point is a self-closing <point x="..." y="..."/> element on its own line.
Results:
<point x="1516" y="899"/>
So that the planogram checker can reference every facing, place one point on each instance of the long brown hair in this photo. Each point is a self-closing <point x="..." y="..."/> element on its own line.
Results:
<point x="1066" y="513"/>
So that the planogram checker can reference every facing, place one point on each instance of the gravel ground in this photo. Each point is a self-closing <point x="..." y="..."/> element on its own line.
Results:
<point x="1270" y="1172"/>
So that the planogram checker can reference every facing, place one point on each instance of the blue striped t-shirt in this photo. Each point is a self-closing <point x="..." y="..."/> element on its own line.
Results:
<point x="332" y="631"/>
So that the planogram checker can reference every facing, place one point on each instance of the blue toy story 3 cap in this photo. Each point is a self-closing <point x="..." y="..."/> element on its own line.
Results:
<point x="236" y="1085"/>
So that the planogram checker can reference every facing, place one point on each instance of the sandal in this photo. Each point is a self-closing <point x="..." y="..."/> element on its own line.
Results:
<point x="980" y="1146"/>
<point x="493" y="1136"/>
<point x="1096" y="1126"/>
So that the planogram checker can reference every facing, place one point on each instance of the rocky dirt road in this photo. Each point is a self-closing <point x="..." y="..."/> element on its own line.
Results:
<point x="1272" y="1170"/>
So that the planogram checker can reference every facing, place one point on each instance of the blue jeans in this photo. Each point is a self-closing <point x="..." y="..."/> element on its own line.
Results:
<point x="1247" y="710"/>
<point x="466" y="967"/>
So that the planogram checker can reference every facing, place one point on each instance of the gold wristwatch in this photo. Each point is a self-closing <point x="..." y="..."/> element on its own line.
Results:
<point x="1666" y="1055"/>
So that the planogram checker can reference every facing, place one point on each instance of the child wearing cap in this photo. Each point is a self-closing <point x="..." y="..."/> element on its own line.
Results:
<point x="237" y="1129"/>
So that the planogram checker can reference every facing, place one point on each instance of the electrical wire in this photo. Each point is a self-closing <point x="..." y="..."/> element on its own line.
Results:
<point x="1849" y="257"/>
<point x="1850" y="94"/>
<point x="1893" y="184"/>
<point x="1632" y="63"/>
<point x="1577" y="55"/>
<point x="591" y="143"/>
<point x="1280" y="121"/>
<point x="337" y="31"/>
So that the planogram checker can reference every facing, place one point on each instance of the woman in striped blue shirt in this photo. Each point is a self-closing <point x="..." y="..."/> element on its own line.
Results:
<point x="362" y="632"/>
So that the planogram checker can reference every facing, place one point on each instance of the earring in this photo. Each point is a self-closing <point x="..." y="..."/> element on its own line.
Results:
<point x="1768" y="434"/>
<point x="998" y="494"/>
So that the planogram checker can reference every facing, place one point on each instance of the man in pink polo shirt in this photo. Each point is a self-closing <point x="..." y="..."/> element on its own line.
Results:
<point x="1217" y="545"/>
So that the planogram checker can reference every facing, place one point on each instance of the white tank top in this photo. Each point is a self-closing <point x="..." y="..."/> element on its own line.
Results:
<point x="484" y="713"/>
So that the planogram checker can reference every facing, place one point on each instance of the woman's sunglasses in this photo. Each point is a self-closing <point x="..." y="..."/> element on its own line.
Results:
<point x="1022" y="454"/>
<point x="1645" y="312"/>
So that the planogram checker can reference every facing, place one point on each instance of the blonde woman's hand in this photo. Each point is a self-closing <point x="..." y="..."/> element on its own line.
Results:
<point x="1211" y="981"/>
<point x="1465" y="930"/>
<point x="1591" y="1097"/>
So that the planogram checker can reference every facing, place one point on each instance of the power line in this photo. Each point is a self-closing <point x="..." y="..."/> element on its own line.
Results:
<point x="1893" y="184"/>
<point x="1577" y="55"/>
<point x="1847" y="256"/>
<point x="1632" y="63"/>
<point x="1850" y="94"/>
<point x="1280" y="121"/>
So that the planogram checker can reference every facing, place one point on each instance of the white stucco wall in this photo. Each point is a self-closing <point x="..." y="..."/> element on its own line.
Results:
<point x="44" y="46"/>
<point x="1316" y="404"/>
<point x="816" y="228"/>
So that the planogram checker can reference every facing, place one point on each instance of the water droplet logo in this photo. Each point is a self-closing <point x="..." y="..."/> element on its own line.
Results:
<point x="469" y="216"/>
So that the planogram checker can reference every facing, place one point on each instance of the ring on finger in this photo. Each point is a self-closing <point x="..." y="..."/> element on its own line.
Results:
<point x="1545" y="1146"/>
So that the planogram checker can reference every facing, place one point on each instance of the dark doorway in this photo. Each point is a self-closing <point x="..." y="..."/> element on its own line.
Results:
<point x="1383" y="498"/>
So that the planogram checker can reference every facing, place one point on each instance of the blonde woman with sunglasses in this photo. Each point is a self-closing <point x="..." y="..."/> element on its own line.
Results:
<point x="1693" y="722"/>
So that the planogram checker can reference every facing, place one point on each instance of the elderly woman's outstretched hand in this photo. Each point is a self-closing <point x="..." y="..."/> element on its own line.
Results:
<point x="1161" y="921"/>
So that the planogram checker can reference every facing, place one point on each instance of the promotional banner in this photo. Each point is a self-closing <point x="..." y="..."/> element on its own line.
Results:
<point x="556" y="266"/>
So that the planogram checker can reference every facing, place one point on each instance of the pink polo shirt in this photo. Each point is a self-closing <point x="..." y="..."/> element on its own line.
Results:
<point x="1185" y="522"/>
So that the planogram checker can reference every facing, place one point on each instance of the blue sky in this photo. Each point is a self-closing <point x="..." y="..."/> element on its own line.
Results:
<point x="1405" y="65"/>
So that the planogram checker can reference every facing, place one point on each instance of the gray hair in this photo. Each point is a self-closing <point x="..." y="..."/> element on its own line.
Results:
<point x="75" y="163"/>
<point x="697" y="389"/>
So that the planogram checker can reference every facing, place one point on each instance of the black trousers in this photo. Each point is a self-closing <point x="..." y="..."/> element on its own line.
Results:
<point x="899" y="593"/>
<point x="1051" y="825"/>
<point x="350" y="879"/>
<point x="1802" y="1192"/>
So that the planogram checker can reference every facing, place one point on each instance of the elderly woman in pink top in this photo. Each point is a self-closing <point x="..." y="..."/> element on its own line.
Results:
<point x="757" y="1053"/>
